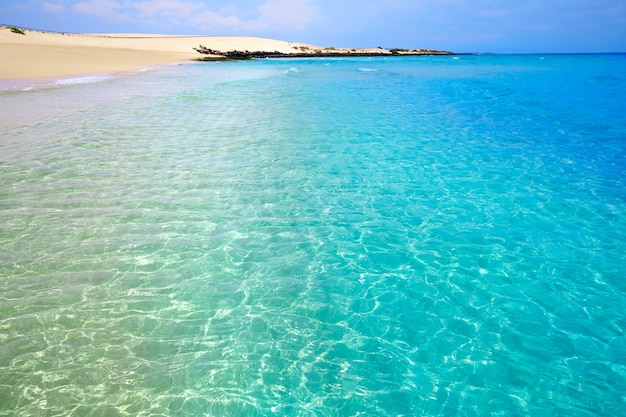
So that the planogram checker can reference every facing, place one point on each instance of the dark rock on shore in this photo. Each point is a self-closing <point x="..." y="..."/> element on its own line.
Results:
<point x="307" y="52"/>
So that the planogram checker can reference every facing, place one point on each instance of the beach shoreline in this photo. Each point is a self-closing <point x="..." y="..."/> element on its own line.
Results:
<point x="39" y="55"/>
<point x="45" y="55"/>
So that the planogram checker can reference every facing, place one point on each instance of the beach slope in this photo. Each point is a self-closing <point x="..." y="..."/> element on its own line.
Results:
<point x="36" y="54"/>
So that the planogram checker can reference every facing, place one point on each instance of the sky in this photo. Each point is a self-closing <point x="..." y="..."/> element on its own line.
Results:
<point x="499" y="26"/>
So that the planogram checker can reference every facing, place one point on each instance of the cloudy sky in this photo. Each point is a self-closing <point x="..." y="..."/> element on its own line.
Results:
<point x="457" y="25"/>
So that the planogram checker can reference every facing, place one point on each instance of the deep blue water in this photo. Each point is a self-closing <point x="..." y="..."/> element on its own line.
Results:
<point x="423" y="236"/>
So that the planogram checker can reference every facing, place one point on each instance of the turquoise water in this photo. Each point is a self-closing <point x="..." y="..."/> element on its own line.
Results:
<point x="348" y="237"/>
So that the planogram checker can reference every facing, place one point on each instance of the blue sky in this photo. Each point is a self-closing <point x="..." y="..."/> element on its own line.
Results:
<point x="505" y="26"/>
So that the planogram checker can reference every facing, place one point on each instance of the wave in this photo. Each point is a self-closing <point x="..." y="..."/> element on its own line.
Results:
<point x="85" y="79"/>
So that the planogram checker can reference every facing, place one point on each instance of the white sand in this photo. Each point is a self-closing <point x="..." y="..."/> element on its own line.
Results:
<point x="50" y="55"/>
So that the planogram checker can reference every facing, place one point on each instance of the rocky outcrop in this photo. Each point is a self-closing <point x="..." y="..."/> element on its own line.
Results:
<point x="308" y="52"/>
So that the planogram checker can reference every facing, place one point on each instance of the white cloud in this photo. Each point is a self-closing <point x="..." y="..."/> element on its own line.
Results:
<point x="53" y="7"/>
<point x="194" y="14"/>
<point x="291" y="14"/>
<point x="178" y="9"/>
<point x="107" y="9"/>
<point x="210" y="19"/>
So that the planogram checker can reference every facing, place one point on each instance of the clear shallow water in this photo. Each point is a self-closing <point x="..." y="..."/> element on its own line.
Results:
<point x="344" y="237"/>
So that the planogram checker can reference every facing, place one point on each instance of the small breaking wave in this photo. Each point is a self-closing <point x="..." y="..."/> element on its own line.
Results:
<point x="86" y="79"/>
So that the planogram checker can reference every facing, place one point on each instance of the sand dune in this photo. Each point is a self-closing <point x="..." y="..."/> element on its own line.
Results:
<point x="47" y="55"/>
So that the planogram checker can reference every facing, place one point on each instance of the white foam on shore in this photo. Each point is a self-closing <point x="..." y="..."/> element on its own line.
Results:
<point x="29" y="84"/>
<point x="21" y="84"/>
<point x="84" y="79"/>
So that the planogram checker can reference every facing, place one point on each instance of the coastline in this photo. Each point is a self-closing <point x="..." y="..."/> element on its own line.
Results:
<point x="35" y="55"/>
<point x="308" y="52"/>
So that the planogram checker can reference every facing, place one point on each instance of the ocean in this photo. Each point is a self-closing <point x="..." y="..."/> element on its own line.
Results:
<point x="401" y="236"/>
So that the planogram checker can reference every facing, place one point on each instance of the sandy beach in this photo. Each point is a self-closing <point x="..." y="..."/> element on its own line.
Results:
<point x="37" y="54"/>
